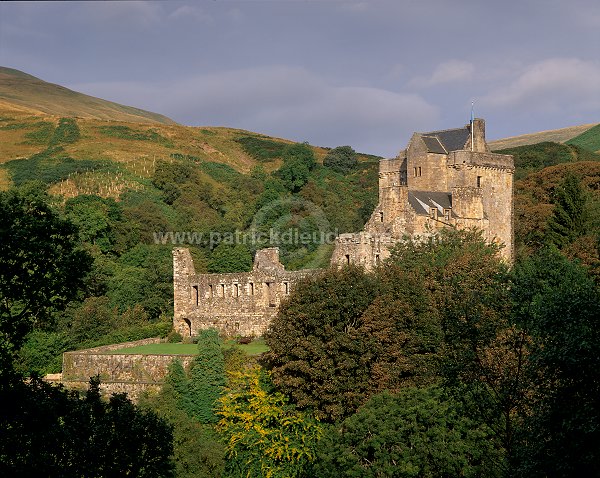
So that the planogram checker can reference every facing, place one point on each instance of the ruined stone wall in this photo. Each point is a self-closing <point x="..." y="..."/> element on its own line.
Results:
<point x="363" y="248"/>
<point x="81" y="365"/>
<point x="119" y="373"/>
<point x="241" y="303"/>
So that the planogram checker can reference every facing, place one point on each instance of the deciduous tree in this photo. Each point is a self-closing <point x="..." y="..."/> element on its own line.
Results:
<point x="264" y="435"/>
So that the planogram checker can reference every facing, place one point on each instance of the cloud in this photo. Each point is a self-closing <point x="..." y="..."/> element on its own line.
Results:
<point x="189" y="12"/>
<point x="450" y="71"/>
<point x="549" y="86"/>
<point x="138" y="14"/>
<point x="284" y="101"/>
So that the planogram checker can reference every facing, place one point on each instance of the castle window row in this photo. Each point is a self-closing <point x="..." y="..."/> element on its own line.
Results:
<point x="236" y="290"/>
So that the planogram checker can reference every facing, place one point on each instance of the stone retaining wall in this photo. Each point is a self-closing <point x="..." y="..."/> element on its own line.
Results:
<point x="129" y="373"/>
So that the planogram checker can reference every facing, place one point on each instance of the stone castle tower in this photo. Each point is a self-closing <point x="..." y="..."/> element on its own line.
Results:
<point x="446" y="178"/>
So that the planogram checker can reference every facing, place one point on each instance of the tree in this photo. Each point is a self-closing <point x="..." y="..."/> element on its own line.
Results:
<point x="559" y="305"/>
<point x="342" y="159"/>
<point x="482" y="356"/>
<point x="416" y="433"/>
<point x="198" y="450"/>
<point x="264" y="435"/>
<point x="314" y="359"/>
<point x="569" y="216"/>
<point x="47" y="431"/>
<point x="95" y="218"/>
<point x="230" y="258"/>
<point x="298" y="162"/>
<point x="42" y="269"/>
<point x="207" y="377"/>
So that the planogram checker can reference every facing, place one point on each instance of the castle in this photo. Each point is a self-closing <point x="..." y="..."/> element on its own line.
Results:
<point x="446" y="178"/>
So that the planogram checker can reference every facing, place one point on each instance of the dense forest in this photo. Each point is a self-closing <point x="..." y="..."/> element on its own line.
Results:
<point x="442" y="362"/>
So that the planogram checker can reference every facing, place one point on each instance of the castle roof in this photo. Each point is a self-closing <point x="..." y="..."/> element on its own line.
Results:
<point x="423" y="201"/>
<point x="442" y="142"/>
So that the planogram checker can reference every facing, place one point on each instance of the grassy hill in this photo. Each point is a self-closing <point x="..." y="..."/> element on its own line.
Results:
<point x="23" y="93"/>
<point x="554" y="136"/>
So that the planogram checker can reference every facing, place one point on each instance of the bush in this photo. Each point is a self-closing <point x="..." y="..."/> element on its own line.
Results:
<point x="174" y="337"/>
<point x="263" y="150"/>
<point x="342" y="159"/>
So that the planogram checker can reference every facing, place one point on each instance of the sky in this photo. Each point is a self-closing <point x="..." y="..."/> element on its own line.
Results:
<point x="364" y="73"/>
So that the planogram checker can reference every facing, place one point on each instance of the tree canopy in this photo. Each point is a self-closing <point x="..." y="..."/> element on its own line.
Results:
<point x="342" y="159"/>
<point x="42" y="268"/>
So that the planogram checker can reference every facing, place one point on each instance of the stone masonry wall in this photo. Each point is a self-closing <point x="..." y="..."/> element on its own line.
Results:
<point x="129" y="373"/>
<point x="241" y="303"/>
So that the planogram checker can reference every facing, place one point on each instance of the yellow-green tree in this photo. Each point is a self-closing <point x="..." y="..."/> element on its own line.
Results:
<point x="265" y="436"/>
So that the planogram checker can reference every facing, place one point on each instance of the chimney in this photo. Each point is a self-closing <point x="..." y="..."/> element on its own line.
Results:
<point x="478" y="135"/>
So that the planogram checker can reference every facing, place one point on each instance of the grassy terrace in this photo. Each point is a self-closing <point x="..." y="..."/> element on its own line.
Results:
<point x="254" y="348"/>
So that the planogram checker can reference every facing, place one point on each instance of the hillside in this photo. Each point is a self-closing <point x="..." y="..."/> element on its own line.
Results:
<point x="555" y="136"/>
<point x="24" y="93"/>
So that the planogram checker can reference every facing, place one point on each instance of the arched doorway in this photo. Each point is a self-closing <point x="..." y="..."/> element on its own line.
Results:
<point x="188" y="327"/>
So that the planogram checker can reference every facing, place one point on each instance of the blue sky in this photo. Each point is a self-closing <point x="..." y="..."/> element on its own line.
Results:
<point x="331" y="72"/>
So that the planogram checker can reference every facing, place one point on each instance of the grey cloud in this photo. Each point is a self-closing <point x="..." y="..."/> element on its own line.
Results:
<point x="446" y="72"/>
<point x="287" y="102"/>
<point x="552" y="85"/>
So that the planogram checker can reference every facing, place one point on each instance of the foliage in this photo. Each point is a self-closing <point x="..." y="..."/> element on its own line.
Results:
<point x="342" y="159"/>
<point x="264" y="436"/>
<point x="481" y="358"/>
<point x="416" y="433"/>
<point x="534" y="157"/>
<point x="534" y="204"/>
<point x="41" y="267"/>
<point x="66" y="132"/>
<point x="42" y="134"/>
<point x="314" y="359"/>
<point x="169" y="176"/>
<point x="298" y="162"/>
<point x="47" y="431"/>
<point x="96" y="219"/>
<point x="198" y="450"/>
<point x="207" y="377"/>
<point x="261" y="149"/>
<point x="127" y="133"/>
<point x="569" y="216"/>
<point x="174" y="337"/>
<point x="230" y="258"/>
<point x="559" y="305"/>
<point x="220" y="172"/>
<point x="589" y="139"/>
<point x="42" y="353"/>
<point x="50" y="166"/>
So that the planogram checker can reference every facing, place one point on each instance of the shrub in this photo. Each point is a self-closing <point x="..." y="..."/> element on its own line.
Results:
<point x="174" y="337"/>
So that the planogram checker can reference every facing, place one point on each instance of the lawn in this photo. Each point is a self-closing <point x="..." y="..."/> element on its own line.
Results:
<point x="256" y="347"/>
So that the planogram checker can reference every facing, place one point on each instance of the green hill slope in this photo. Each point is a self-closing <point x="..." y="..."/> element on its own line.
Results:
<point x="589" y="139"/>
<point x="21" y="92"/>
<point x="554" y="136"/>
